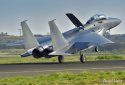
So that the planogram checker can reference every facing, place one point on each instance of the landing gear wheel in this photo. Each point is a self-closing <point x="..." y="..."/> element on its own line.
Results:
<point x="82" y="58"/>
<point x="60" y="59"/>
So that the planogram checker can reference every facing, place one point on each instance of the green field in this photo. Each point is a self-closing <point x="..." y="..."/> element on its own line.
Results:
<point x="8" y="60"/>
<point x="8" y="56"/>
<point x="13" y="56"/>
<point x="83" y="78"/>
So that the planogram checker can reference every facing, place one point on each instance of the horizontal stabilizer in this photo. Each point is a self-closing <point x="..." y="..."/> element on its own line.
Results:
<point x="59" y="53"/>
<point x="74" y="20"/>
<point x="58" y="39"/>
<point x="29" y="39"/>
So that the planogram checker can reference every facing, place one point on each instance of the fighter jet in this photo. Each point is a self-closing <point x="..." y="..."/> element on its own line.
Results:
<point x="76" y="40"/>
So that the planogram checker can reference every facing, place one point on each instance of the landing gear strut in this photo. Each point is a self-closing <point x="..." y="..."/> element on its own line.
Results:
<point x="61" y="59"/>
<point x="82" y="58"/>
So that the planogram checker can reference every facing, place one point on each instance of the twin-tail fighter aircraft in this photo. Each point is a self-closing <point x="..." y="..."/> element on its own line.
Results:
<point x="82" y="37"/>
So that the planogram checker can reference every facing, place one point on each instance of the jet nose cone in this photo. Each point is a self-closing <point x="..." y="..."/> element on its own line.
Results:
<point x="114" y="22"/>
<point x="117" y="21"/>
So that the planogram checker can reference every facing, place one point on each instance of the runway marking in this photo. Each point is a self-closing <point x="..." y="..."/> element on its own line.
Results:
<point x="65" y="70"/>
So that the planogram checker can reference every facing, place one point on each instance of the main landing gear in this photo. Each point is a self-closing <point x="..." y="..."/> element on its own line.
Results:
<point x="82" y="58"/>
<point x="61" y="59"/>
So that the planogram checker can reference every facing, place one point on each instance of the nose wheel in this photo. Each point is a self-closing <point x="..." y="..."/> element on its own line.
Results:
<point x="61" y="59"/>
<point x="82" y="58"/>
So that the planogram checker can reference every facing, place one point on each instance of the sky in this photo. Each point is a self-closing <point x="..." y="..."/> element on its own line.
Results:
<point x="39" y="12"/>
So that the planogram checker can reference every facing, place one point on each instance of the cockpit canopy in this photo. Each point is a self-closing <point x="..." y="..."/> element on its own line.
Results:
<point x="96" y="17"/>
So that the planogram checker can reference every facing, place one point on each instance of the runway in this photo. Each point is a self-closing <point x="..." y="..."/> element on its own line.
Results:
<point x="31" y="69"/>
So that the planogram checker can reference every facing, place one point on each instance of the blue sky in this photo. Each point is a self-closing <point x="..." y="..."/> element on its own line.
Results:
<point x="39" y="12"/>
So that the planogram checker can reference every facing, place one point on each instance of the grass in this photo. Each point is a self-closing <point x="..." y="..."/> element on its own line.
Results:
<point x="8" y="56"/>
<point x="112" y="57"/>
<point x="18" y="59"/>
<point x="69" y="78"/>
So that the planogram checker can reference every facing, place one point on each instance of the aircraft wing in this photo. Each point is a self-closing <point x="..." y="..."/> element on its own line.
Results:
<point x="81" y="41"/>
<point x="85" y="41"/>
<point x="92" y="38"/>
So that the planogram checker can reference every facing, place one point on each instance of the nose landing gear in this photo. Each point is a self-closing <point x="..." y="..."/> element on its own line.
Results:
<point x="82" y="58"/>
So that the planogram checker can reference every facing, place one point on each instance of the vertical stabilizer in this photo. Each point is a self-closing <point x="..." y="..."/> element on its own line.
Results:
<point x="58" y="39"/>
<point x="29" y="39"/>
